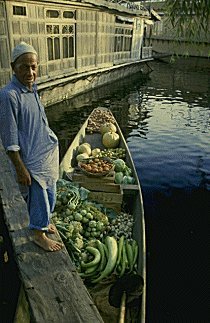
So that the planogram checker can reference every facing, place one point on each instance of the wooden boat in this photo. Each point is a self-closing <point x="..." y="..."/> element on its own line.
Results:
<point x="131" y="193"/>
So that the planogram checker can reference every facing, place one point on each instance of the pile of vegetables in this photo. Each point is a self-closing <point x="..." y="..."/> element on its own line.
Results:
<point x="110" y="137"/>
<point x="123" y="174"/>
<point x="86" y="216"/>
<point x="98" y="118"/>
<point x="122" y="225"/>
<point x="113" y="153"/>
<point x="76" y="227"/>
<point x="69" y="195"/>
<point x="96" y="165"/>
<point x="99" y="240"/>
<point x="84" y="152"/>
<point x="101" y="259"/>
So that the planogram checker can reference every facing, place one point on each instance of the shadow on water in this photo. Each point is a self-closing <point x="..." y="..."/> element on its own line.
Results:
<point x="178" y="253"/>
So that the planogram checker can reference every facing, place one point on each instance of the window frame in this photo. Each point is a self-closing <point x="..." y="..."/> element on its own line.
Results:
<point x="61" y="22"/>
<point x="19" y="6"/>
<point x="120" y="47"/>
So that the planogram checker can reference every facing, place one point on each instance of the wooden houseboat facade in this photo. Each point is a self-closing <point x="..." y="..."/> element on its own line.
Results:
<point x="80" y="44"/>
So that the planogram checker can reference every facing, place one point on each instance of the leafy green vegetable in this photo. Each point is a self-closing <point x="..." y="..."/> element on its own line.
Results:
<point x="119" y="165"/>
<point x="128" y="180"/>
<point x="119" y="177"/>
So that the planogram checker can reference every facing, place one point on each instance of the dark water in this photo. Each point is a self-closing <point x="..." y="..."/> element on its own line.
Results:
<point x="165" y="119"/>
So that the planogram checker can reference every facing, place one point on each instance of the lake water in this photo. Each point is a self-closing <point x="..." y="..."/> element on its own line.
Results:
<point x="165" y="119"/>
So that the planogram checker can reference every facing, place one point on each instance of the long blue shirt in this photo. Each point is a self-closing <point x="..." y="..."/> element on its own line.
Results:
<point x="24" y="128"/>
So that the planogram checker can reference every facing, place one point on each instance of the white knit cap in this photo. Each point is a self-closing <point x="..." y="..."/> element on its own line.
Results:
<point x="21" y="49"/>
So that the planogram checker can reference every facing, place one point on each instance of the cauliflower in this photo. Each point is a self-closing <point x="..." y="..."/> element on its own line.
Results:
<point x="70" y="228"/>
<point x="77" y="227"/>
<point x="78" y="242"/>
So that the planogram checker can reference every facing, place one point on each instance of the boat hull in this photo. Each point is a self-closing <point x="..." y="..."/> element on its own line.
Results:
<point x="132" y="195"/>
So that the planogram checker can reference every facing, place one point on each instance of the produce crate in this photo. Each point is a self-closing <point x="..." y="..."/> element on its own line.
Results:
<point x="79" y="177"/>
<point x="102" y="189"/>
<point x="111" y="200"/>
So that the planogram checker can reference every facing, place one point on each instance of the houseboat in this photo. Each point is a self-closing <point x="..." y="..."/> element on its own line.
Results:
<point x="81" y="44"/>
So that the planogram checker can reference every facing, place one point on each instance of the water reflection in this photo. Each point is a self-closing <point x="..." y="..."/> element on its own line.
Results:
<point x="67" y="117"/>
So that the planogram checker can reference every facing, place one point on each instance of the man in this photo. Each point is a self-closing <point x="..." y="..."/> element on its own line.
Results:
<point x="30" y="143"/>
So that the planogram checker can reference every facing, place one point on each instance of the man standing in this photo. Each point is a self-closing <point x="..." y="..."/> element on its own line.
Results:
<point x="30" y="143"/>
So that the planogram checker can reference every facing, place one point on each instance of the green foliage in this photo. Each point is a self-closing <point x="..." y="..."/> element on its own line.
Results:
<point x="190" y="17"/>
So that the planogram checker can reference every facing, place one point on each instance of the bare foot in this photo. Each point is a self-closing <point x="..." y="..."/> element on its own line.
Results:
<point x="45" y="243"/>
<point x="51" y="228"/>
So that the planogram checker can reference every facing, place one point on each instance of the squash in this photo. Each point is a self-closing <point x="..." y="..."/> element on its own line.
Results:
<point x="84" y="148"/>
<point x="111" y="139"/>
<point x="82" y="156"/>
<point x="106" y="127"/>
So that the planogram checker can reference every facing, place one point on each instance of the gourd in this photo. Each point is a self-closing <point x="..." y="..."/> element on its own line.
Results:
<point x="110" y="139"/>
<point x="82" y="156"/>
<point x="84" y="148"/>
<point x="97" y="257"/>
<point x="111" y="244"/>
<point x="106" y="127"/>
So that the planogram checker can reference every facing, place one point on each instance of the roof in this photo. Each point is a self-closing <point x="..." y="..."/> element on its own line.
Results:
<point x="120" y="6"/>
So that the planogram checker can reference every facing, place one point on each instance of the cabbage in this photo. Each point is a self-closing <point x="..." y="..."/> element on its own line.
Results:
<point x="118" y="177"/>
<point x="128" y="180"/>
<point x="127" y="171"/>
<point x="119" y="165"/>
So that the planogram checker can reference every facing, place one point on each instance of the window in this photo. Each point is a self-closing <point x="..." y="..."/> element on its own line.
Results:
<point x="123" y="34"/>
<point x="60" y="41"/>
<point x="19" y="11"/>
<point x="123" y="39"/>
<point x="68" y="41"/>
<point x="53" y="42"/>
<point x="52" y="13"/>
<point x="69" y="14"/>
<point x="60" y="34"/>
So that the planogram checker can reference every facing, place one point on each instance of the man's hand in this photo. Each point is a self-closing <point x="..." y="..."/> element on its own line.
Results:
<point x="23" y="176"/>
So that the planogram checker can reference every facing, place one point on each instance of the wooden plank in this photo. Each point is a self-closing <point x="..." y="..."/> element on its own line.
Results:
<point x="79" y="177"/>
<point x="102" y="187"/>
<point x="105" y="197"/>
<point x="53" y="288"/>
<point x="22" y="312"/>
<point x="130" y="188"/>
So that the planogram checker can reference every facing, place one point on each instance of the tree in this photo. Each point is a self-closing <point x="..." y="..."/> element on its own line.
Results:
<point x="189" y="17"/>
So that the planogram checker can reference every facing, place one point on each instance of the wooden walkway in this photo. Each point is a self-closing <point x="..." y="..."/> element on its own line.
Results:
<point x="52" y="291"/>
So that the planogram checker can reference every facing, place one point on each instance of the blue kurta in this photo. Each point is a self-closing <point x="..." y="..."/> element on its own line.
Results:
<point x="24" y="127"/>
